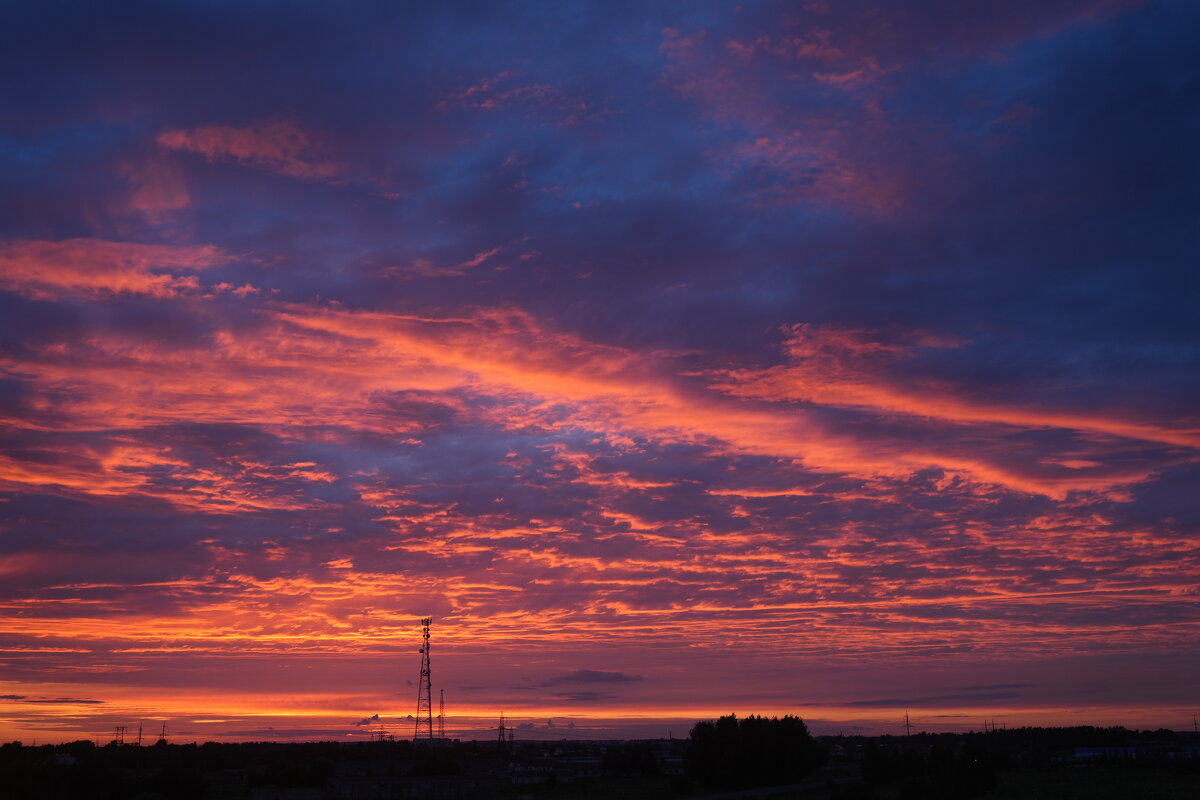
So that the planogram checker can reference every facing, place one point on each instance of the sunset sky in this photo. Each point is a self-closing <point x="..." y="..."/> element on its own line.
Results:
<point x="678" y="358"/>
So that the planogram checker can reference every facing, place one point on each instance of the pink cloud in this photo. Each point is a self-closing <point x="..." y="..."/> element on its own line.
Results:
<point x="815" y="44"/>
<point x="96" y="267"/>
<point x="505" y="91"/>
<point x="847" y="368"/>
<point x="842" y="590"/>
<point x="278" y="147"/>
<point x="829" y="158"/>
<point x="852" y="155"/>
<point x="329" y="366"/>
<point x="427" y="268"/>
<point x="157" y="188"/>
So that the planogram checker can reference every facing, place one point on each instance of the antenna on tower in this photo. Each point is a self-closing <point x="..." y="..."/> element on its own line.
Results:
<point x="425" y="688"/>
<point x="441" y="713"/>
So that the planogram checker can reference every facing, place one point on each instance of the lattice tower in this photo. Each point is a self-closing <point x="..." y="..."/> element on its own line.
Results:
<point x="424" y="689"/>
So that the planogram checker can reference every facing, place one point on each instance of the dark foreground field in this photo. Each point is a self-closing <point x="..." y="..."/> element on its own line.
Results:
<point x="1097" y="783"/>
<point x="1020" y="764"/>
<point x="1017" y="784"/>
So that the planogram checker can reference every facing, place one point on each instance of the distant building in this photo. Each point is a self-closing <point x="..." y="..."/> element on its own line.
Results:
<point x="287" y="793"/>
<point x="1109" y="753"/>
<point x="561" y="769"/>
<point x="390" y="780"/>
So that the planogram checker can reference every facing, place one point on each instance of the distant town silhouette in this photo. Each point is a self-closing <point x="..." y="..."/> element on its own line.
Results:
<point x="729" y="757"/>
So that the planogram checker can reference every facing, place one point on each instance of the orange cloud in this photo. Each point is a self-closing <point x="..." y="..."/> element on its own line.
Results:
<point x="307" y="366"/>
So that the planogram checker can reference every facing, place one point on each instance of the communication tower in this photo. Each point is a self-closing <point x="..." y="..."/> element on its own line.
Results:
<point x="424" y="689"/>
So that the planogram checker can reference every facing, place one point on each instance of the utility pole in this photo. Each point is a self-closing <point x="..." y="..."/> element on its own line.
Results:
<point x="425" y="688"/>
<point x="139" y="734"/>
<point x="907" y="725"/>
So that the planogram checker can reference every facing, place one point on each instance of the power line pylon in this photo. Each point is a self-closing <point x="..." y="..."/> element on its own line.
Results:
<point x="502" y="739"/>
<point x="119" y="734"/>
<point x="425" y="689"/>
<point x="441" y="713"/>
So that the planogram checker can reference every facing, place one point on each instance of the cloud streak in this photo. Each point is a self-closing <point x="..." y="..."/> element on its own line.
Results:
<point x="278" y="147"/>
<point x="96" y="268"/>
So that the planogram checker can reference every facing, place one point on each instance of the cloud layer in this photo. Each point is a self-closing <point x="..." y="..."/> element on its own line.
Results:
<point x="676" y="360"/>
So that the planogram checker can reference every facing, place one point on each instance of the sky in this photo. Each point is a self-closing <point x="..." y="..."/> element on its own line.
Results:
<point x="679" y="359"/>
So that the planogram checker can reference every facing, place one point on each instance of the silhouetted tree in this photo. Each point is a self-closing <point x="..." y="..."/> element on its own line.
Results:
<point x="755" y="751"/>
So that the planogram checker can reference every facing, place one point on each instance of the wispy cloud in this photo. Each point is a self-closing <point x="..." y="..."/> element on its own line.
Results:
<point x="591" y="676"/>
<point x="279" y="147"/>
<point x="94" y="267"/>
